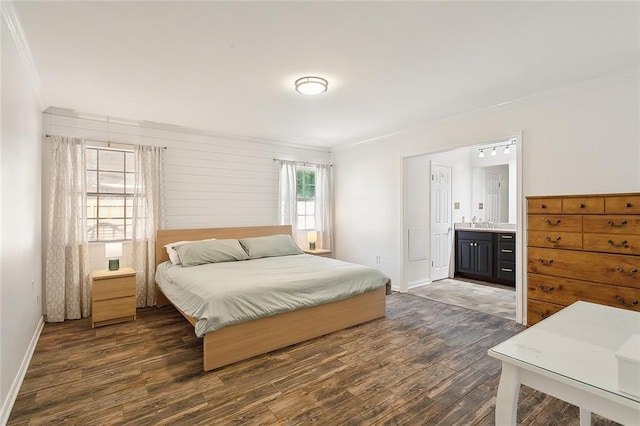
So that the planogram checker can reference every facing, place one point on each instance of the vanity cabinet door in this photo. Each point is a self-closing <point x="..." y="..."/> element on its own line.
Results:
<point x="474" y="254"/>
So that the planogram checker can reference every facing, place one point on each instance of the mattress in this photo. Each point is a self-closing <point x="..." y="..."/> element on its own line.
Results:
<point x="222" y="294"/>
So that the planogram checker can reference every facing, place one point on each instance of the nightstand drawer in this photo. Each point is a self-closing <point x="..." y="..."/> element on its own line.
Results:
<point x="114" y="288"/>
<point x="104" y="310"/>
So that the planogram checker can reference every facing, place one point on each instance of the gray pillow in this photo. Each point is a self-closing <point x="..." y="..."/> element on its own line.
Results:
<point x="273" y="245"/>
<point x="200" y="252"/>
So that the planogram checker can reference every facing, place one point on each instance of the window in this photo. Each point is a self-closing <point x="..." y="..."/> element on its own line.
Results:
<point x="306" y="196"/>
<point x="110" y="182"/>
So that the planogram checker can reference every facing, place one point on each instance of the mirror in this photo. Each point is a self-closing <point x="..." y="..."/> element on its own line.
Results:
<point x="490" y="198"/>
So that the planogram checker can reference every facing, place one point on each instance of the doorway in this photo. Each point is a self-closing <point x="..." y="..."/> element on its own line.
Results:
<point x="496" y="199"/>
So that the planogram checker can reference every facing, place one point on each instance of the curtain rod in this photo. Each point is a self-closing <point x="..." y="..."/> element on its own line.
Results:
<point x="108" y="142"/>
<point x="304" y="163"/>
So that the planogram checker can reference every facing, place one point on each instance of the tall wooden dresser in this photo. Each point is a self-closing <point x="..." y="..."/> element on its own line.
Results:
<point x="583" y="247"/>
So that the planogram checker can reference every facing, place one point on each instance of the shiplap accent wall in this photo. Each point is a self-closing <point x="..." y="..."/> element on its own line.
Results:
<point x="210" y="181"/>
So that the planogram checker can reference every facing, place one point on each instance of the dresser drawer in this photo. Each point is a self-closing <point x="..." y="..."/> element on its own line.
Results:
<point x="537" y="311"/>
<point x="555" y="239"/>
<point x="544" y="205"/>
<point x="587" y="205"/>
<point x="613" y="243"/>
<point x="611" y="224"/>
<point x="622" y="205"/>
<point x="599" y="267"/>
<point x="565" y="291"/>
<point x="560" y="223"/>
<point x="104" y="310"/>
<point x="113" y="288"/>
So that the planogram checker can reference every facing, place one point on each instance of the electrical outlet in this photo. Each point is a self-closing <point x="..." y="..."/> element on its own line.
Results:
<point x="377" y="258"/>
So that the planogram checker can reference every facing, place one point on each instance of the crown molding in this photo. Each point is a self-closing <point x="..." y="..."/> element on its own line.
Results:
<point x="173" y="128"/>
<point x="12" y="20"/>
<point x="632" y="73"/>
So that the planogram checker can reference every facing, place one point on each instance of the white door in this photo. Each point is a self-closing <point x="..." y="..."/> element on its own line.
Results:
<point x="492" y="197"/>
<point x="441" y="226"/>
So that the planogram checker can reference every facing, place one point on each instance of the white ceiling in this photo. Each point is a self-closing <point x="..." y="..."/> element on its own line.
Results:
<point x="228" y="68"/>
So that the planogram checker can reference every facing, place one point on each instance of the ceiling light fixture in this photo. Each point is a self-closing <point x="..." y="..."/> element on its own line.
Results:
<point x="507" y="149"/>
<point x="311" y="85"/>
<point x="481" y="153"/>
<point x="493" y="151"/>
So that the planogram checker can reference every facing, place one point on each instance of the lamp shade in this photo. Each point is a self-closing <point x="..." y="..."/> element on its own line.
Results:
<point x="113" y="250"/>
<point x="312" y="236"/>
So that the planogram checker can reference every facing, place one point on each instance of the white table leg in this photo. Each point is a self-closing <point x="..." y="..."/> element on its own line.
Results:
<point x="585" y="417"/>
<point x="508" y="392"/>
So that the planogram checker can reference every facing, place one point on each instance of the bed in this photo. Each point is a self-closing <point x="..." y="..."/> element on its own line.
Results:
<point x="244" y="340"/>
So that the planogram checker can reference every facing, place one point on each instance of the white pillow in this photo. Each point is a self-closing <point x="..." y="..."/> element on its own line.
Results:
<point x="173" y="253"/>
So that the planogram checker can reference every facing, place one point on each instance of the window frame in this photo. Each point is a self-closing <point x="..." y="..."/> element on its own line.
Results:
<point x="127" y="197"/>
<point x="306" y="200"/>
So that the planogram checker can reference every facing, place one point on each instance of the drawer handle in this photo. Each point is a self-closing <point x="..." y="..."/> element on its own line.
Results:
<point x="553" y="240"/>
<point x="506" y="251"/>
<point x="506" y="270"/>
<point x="622" y="244"/>
<point x="545" y="262"/>
<point x="542" y="315"/>
<point x="628" y="205"/>
<point x="543" y="206"/>
<point x="620" y="225"/>
<point x="621" y="301"/>
<point x="545" y="289"/>
<point x="548" y="222"/>
<point x="506" y="237"/>
<point x="582" y="206"/>
<point x="623" y="272"/>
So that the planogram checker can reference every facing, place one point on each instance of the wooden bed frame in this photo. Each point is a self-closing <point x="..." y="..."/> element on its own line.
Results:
<point x="249" y="339"/>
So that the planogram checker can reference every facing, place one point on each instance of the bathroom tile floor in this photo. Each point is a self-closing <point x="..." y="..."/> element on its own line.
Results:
<point x="493" y="299"/>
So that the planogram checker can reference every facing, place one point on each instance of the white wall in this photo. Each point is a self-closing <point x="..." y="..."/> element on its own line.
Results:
<point x="417" y="212"/>
<point x="580" y="139"/>
<point x="20" y="232"/>
<point x="210" y="181"/>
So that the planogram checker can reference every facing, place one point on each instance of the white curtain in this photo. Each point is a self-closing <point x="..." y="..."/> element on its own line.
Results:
<point x="324" y="205"/>
<point x="67" y="274"/>
<point x="287" y="199"/>
<point x="147" y="218"/>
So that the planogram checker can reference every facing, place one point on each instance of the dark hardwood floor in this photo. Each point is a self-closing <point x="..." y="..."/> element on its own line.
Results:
<point x="425" y="363"/>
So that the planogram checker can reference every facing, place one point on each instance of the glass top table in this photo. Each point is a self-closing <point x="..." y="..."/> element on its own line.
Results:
<point x="571" y="355"/>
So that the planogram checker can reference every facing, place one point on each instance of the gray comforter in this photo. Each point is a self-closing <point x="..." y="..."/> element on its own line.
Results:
<point x="222" y="294"/>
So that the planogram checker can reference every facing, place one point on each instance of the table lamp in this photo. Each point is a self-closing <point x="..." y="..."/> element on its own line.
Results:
<point x="312" y="237"/>
<point x="113" y="251"/>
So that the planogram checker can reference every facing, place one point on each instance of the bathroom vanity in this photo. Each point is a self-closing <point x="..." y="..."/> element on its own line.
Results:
<point x="486" y="254"/>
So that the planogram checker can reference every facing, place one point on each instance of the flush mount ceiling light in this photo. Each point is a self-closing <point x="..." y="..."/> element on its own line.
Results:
<point x="311" y="85"/>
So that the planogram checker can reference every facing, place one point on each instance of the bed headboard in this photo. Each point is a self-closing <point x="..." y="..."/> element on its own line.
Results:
<point x="166" y="236"/>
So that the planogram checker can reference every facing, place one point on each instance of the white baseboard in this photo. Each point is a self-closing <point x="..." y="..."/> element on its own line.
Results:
<point x="420" y="283"/>
<point x="7" y="404"/>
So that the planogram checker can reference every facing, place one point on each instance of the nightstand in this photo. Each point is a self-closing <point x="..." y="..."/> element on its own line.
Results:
<point x="320" y="252"/>
<point x="113" y="296"/>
